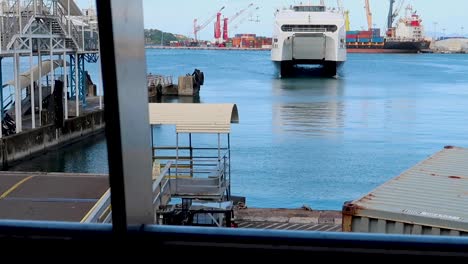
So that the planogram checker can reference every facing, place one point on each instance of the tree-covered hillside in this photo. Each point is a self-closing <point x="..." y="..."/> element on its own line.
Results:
<point x="154" y="37"/>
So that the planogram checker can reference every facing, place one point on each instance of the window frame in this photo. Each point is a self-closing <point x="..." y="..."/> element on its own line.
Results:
<point x="217" y="241"/>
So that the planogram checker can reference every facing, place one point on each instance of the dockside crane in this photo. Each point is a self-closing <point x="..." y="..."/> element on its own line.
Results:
<point x="393" y="13"/>
<point x="197" y="28"/>
<point x="368" y="14"/>
<point x="235" y="26"/>
<point x="231" y="19"/>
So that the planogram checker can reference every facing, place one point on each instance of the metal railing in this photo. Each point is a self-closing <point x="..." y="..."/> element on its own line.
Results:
<point x="197" y="169"/>
<point x="65" y="23"/>
<point x="155" y="80"/>
<point x="162" y="187"/>
<point x="101" y="211"/>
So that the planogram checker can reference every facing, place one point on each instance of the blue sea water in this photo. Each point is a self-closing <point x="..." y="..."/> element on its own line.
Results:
<point x="314" y="141"/>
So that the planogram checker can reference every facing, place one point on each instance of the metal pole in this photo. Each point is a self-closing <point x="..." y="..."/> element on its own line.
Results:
<point x="18" y="117"/>
<point x="191" y="154"/>
<point x="177" y="160"/>
<point x="82" y="37"/>
<point x="68" y="19"/>
<point x="219" y="148"/>
<point x="177" y="153"/>
<point x="35" y="7"/>
<point x="52" y="71"/>
<point x="31" y="77"/>
<point x="1" y="86"/>
<point x="152" y="144"/>
<point x="77" y="91"/>
<point x="1" y="98"/>
<point x="229" y="162"/>
<point x="39" y="83"/>
<point x="19" y="17"/>
<point x="83" y="80"/>
<point x="100" y="89"/>
<point x="65" y="82"/>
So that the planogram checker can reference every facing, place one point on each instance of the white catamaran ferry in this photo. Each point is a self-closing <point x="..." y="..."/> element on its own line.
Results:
<point x="309" y="35"/>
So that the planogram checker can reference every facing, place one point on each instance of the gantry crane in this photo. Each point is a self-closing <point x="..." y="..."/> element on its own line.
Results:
<point x="197" y="28"/>
<point x="231" y="19"/>
<point x="368" y="14"/>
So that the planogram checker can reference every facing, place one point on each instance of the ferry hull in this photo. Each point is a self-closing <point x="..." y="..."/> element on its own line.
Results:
<point x="308" y="67"/>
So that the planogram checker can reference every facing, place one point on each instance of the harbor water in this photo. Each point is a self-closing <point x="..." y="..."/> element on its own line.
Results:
<point x="314" y="141"/>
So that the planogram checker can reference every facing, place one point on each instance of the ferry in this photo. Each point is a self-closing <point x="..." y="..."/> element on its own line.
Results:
<point x="309" y="35"/>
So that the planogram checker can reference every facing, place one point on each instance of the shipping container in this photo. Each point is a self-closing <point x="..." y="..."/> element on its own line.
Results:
<point x="430" y="198"/>
<point x="364" y="39"/>
<point x="351" y="40"/>
<point x="376" y="31"/>
<point x="352" y="32"/>
<point x="378" y="39"/>
<point x="351" y="35"/>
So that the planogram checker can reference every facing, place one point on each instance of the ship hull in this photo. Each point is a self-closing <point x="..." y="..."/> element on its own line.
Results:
<point x="308" y="67"/>
<point x="389" y="47"/>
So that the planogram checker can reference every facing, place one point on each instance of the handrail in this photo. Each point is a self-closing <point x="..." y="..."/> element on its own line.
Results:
<point x="100" y="210"/>
<point x="75" y="33"/>
<point x="161" y="182"/>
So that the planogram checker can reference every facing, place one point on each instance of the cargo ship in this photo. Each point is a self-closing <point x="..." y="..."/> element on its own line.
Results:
<point x="406" y="37"/>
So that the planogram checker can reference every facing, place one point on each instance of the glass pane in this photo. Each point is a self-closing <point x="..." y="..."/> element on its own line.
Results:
<point x="54" y="155"/>
<point x="307" y="143"/>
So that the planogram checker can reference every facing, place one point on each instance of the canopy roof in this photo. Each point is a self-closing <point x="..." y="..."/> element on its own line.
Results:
<point x="195" y="118"/>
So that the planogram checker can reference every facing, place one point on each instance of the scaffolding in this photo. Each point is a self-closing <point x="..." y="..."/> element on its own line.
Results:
<point x="46" y="28"/>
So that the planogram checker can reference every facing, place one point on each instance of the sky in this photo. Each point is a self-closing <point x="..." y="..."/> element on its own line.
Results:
<point x="177" y="16"/>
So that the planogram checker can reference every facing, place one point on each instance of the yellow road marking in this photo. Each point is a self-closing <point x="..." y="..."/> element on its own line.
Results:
<point x="14" y="187"/>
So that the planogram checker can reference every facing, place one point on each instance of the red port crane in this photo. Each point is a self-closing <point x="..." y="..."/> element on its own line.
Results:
<point x="231" y="19"/>
<point x="197" y="28"/>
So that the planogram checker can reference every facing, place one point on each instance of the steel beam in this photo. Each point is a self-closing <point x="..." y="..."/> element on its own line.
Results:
<point x="1" y="90"/>
<point x="77" y="93"/>
<point x="126" y="112"/>
<point x="65" y="83"/>
<point x="39" y="83"/>
<point x="18" y="114"/>
<point x="1" y="98"/>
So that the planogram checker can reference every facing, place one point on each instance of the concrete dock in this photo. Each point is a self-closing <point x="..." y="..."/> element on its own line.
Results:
<point x="49" y="196"/>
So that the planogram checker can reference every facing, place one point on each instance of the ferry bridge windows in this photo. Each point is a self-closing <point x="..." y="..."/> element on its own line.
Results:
<point x="309" y="28"/>
<point x="309" y="8"/>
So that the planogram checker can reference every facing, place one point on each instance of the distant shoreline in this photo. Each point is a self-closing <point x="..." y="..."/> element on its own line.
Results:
<point x="205" y="48"/>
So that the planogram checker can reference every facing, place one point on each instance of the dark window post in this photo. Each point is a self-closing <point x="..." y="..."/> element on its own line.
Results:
<point x="126" y="112"/>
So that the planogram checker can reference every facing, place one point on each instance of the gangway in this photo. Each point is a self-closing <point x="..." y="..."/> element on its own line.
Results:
<point x="72" y="6"/>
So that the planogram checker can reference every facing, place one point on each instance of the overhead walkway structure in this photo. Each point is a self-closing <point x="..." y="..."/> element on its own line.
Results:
<point x="46" y="28"/>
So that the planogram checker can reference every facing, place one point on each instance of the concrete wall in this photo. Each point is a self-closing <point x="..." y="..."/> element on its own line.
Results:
<point x="32" y="142"/>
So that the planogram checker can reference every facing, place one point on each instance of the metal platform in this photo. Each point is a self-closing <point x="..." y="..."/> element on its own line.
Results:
<point x="290" y="226"/>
